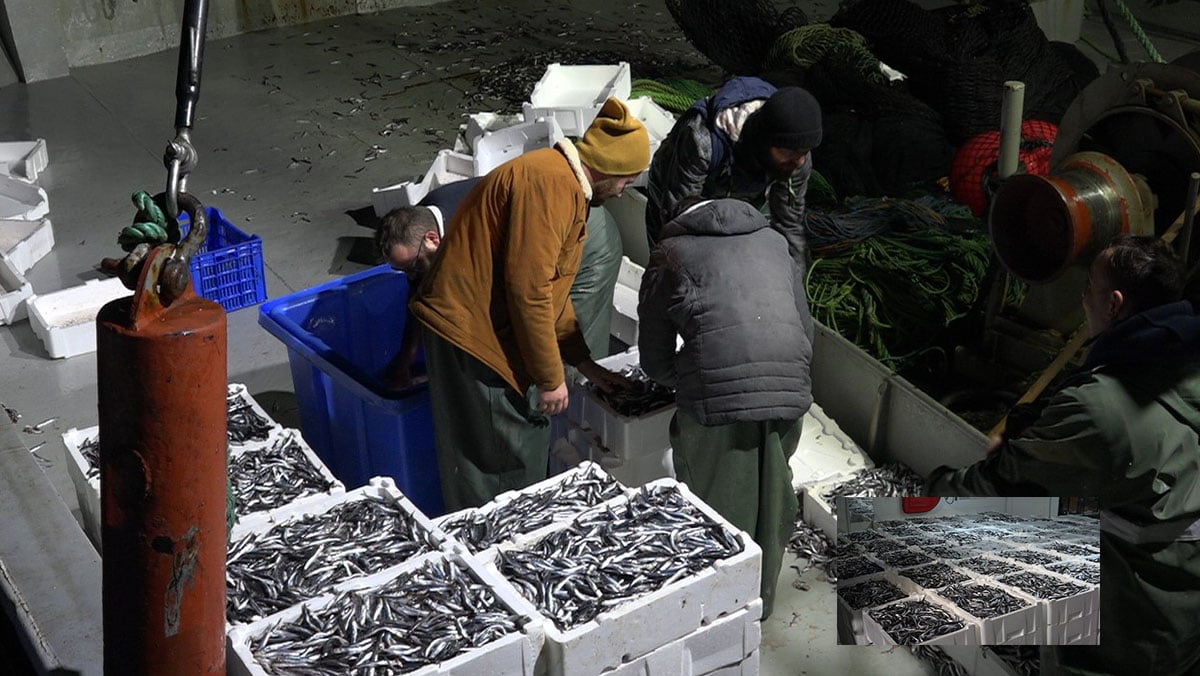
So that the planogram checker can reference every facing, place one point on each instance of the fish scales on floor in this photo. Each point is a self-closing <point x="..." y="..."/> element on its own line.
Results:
<point x="607" y="558"/>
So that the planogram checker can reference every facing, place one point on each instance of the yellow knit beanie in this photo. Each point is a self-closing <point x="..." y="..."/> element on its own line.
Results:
<point x="616" y="143"/>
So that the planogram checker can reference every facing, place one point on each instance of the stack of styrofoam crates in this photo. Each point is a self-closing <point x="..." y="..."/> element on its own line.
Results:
<point x="1070" y="620"/>
<point x="658" y="122"/>
<point x="849" y="618"/>
<point x="448" y="167"/>
<point x="493" y="148"/>
<point x="25" y="232"/>
<point x="86" y="476"/>
<point x="705" y="623"/>
<point x="624" y="325"/>
<point x="65" y="320"/>
<point x="635" y="450"/>
<point x="825" y="453"/>
<point x="573" y="95"/>
<point x="514" y="654"/>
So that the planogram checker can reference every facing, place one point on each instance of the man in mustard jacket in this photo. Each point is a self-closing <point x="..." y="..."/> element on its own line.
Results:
<point x="497" y="309"/>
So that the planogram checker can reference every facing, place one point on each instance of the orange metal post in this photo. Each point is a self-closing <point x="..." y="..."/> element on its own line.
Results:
<point x="162" y="381"/>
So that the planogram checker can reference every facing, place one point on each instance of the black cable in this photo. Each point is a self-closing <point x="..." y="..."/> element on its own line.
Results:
<point x="1111" y="25"/>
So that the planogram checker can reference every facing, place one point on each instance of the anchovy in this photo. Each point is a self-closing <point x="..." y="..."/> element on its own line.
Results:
<point x="812" y="544"/>
<point x="935" y="575"/>
<point x="1028" y="556"/>
<point x="1042" y="586"/>
<point x="610" y="556"/>
<point x="578" y="491"/>
<point x="422" y="617"/>
<point x="913" y="622"/>
<point x="274" y="476"/>
<point x="988" y="566"/>
<point x="850" y="567"/>
<point x="891" y="480"/>
<point x="870" y="594"/>
<point x="983" y="601"/>
<point x="1084" y="572"/>
<point x="643" y="397"/>
<point x="243" y="422"/>
<point x="298" y="560"/>
<point x="942" y="663"/>
<point x="1025" y="660"/>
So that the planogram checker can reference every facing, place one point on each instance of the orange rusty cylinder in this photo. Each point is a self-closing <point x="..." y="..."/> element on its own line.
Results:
<point x="162" y="380"/>
<point x="1040" y="225"/>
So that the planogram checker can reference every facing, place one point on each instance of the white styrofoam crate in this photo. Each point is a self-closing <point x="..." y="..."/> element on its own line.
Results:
<point x="747" y="667"/>
<point x="479" y="124"/>
<point x="24" y="159"/>
<point x="26" y="242"/>
<point x="1024" y="626"/>
<point x="494" y="148"/>
<point x="573" y="95"/>
<point x="1079" y="631"/>
<point x="632" y="470"/>
<point x="448" y="167"/>
<point x="658" y="122"/>
<point x="968" y="635"/>
<point x="21" y="200"/>
<point x="624" y="436"/>
<point x="850" y="620"/>
<point x="14" y="291"/>
<point x="629" y="212"/>
<point x="583" y="469"/>
<point x="825" y="452"/>
<point x="514" y="654"/>
<point x="1057" y="613"/>
<point x="624" y="326"/>
<point x="727" y="641"/>
<point x="87" y="489"/>
<point x="287" y="436"/>
<point x="647" y="623"/>
<point x="817" y="512"/>
<point x="240" y="390"/>
<point x="65" y="320"/>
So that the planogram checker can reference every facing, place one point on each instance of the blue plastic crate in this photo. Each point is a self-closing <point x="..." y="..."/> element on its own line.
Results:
<point x="229" y="267"/>
<point x="341" y="336"/>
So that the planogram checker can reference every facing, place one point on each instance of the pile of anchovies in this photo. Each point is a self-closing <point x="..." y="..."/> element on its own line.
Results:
<point x="850" y="567"/>
<point x="1084" y="572"/>
<point x="870" y="593"/>
<point x="1070" y="549"/>
<point x="983" y="601"/>
<point x="274" y="476"/>
<point x="862" y="536"/>
<point x="935" y="575"/>
<point x="297" y="560"/>
<point x="244" y="423"/>
<point x="960" y="537"/>
<point x="644" y="395"/>
<point x="881" y="546"/>
<point x="1042" y="586"/>
<point x="945" y="551"/>
<point x="903" y="558"/>
<point x="422" y="617"/>
<point x="527" y="512"/>
<point x="942" y="663"/>
<point x="90" y="450"/>
<point x="991" y="533"/>
<point x="888" y="481"/>
<point x="813" y="544"/>
<point x="986" y="566"/>
<point x="1025" y="660"/>
<point x="606" y="558"/>
<point x="913" y="622"/>
<point x="1030" y="557"/>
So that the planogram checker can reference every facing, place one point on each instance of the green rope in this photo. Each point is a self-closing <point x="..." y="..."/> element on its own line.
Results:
<point x="820" y="190"/>
<point x="892" y="293"/>
<point x="808" y="45"/>
<point x="675" y="94"/>
<point x="151" y="225"/>
<point x="1140" y="34"/>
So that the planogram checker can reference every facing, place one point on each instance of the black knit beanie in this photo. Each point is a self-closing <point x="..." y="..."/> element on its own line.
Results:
<point x="790" y="119"/>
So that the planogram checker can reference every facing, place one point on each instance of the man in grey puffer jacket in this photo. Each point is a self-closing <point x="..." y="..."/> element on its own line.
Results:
<point x="722" y="278"/>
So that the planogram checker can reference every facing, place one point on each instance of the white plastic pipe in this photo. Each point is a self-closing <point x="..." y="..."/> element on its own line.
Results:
<point x="1011" y="111"/>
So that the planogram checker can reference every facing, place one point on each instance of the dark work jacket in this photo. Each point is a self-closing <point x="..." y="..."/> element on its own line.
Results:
<point x="723" y="280"/>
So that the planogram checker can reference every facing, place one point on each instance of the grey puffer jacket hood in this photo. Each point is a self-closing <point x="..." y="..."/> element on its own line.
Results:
<point x="723" y="280"/>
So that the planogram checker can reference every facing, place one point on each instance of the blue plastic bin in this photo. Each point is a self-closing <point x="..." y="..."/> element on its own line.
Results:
<point x="229" y="267"/>
<point x="340" y="337"/>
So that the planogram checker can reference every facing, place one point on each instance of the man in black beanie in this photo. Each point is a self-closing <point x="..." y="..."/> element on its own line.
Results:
<point x="749" y="141"/>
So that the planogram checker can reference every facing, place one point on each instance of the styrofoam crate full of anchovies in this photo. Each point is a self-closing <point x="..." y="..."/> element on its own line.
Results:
<point x="273" y="475"/>
<point x="305" y="549"/>
<point x="630" y="422"/>
<point x="247" y="421"/>
<point x="516" y="513"/>
<point x="1071" y="608"/>
<point x="83" y="466"/>
<point x="863" y="593"/>
<point x="919" y="619"/>
<point x="719" y="645"/>
<point x="439" y="613"/>
<point x="630" y="576"/>
<point x="1003" y="616"/>
<point x="893" y="479"/>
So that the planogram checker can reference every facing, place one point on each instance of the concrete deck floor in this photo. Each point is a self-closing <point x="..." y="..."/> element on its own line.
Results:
<point x="287" y="118"/>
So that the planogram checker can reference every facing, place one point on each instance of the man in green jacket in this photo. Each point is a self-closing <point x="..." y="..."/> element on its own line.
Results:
<point x="1123" y="428"/>
<point x="497" y="311"/>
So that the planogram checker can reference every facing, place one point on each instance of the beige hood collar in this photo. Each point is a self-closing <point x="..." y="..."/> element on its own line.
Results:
<point x="568" y="150"/>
